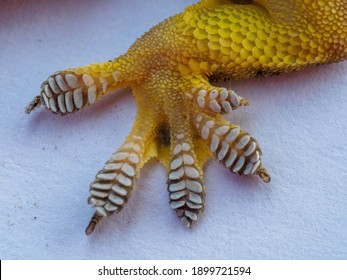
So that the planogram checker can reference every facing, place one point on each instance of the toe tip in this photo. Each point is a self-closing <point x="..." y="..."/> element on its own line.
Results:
<point x="34" y="104"/>
<point x="263" y="174"/>
<point x="92" y="224"/>
<point x="186" y="222"/>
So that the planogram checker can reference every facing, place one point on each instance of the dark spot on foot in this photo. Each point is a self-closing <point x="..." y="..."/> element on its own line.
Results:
<point x="163" y="136"/>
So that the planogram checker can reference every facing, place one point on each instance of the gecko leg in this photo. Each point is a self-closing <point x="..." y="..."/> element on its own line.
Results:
<point x="231" y="146"/>
<point x="185" y="181"/>
<point x="72" y="89"/>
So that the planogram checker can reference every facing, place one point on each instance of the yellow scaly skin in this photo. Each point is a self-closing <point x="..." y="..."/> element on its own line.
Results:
<point x="179" y="118"/>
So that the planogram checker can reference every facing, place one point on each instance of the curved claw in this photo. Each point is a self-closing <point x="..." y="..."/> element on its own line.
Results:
<point x="92" y="224"/>
<point x="34" y="104"/>
<point x="263" y="174"/>
<point x="244" y="102"/>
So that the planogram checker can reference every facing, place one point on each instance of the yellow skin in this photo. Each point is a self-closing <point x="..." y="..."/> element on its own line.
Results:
<point x="179" y="118"/>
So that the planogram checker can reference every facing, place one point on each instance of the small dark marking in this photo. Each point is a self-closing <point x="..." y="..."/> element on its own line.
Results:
<point x="267" y="73"/>
<point x="222" y="76"/>
<point x="163" y="137"/>
<point x="242" y="2"/>
<point x="259" y="73"/>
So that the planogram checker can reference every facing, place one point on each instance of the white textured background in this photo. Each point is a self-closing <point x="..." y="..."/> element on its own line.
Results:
<point x="48" y="161"/>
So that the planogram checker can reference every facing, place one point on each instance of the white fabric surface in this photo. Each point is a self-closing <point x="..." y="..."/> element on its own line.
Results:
<point x="48" y="161"/>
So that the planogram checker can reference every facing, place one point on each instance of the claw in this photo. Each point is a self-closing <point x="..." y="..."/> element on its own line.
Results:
<point x="244" y="102"/>
<point x="34" y="104"/>
<point x="263" y="174"/>
<point x="92" y="224"/>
